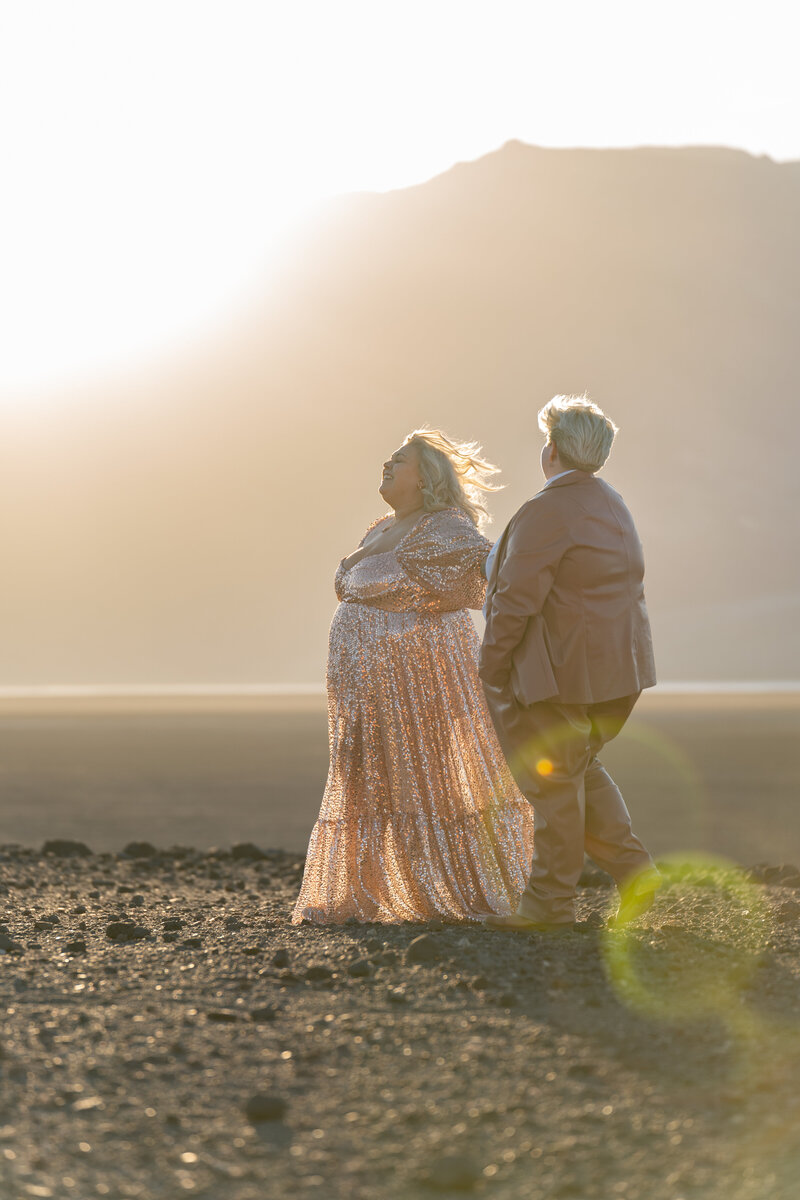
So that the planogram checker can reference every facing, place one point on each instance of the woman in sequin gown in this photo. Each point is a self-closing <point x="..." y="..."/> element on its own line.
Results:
<point x="420" y="817"/>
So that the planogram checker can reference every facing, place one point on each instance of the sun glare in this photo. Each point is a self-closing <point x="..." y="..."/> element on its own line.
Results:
<point x="156" y="154"/>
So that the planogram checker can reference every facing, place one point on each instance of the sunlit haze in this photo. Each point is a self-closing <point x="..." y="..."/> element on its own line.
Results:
<point x="157" y="155"/>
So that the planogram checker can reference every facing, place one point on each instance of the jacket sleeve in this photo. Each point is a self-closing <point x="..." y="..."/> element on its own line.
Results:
<point x="444" y="554"/>
<point x="536" y="544"/>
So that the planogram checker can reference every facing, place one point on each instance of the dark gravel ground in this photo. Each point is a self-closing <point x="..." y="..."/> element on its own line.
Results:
<point x="167" y="1032"/>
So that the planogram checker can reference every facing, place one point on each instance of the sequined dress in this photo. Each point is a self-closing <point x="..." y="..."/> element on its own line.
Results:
<point x="420" y="817"/>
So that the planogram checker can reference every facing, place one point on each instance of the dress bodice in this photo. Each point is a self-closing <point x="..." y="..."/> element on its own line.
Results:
<point x="435" y="568"/>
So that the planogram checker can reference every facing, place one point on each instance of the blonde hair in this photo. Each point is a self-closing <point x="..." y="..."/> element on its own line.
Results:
<point x="453" y="474"/>
<point x="580" y="431"/>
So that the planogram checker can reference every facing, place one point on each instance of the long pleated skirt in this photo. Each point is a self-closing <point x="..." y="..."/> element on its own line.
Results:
<point x="420" y="817"/>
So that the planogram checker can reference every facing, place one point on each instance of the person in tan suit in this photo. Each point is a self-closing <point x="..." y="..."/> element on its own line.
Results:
<point x="566" y="653"/>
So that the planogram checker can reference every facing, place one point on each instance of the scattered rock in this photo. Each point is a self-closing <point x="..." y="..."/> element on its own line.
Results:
<point x="341" y="1017"/>
<point x="317" y="972"/>
<point x="139" y="850"/>
<point x="265" y="1013"/>
<point x="265" y="1106"/>
<point x="137" y="901"/>
<point x="424" y="949"/>
<point x="789" y="911"/>
<point x="126" y="931"/>
<point x="8" y="944"/>
<point x="592" y="922"/>
<point x="785" y="875"/>
<point x="66" y="848"/>
<point x="247" y="851"/>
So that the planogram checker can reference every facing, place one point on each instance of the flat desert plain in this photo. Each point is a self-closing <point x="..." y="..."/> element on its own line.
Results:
<point x="717" y="773"/>
<point x="167" y="1032"/>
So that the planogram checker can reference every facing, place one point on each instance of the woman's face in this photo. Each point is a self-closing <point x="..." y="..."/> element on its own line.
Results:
<point x="401" y="481"/>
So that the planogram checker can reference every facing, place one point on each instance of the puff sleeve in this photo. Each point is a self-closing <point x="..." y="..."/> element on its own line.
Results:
<point x="444" y="554"/>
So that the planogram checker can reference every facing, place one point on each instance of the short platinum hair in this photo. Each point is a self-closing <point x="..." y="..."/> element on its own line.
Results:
<point x="580" y="431"/>
<point x="453" y="473"/>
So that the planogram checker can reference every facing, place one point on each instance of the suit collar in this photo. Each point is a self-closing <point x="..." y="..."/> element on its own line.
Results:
<point x="575" y="476"/>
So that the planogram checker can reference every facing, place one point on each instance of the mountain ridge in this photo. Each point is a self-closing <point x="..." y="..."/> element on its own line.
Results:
<point x="662" y="280"/>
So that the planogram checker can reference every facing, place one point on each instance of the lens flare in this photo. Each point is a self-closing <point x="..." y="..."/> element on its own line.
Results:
<point x="699" y="958"/>
<point x="679" y="970"/>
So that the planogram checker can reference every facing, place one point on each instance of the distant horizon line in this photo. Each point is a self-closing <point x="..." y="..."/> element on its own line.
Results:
<point x="221" y="690"/>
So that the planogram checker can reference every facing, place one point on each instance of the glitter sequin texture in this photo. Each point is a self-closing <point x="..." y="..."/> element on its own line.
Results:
<point x="420" y="816"/>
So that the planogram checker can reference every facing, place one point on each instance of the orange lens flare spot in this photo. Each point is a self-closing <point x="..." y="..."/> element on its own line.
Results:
<point x="544" y="766"/>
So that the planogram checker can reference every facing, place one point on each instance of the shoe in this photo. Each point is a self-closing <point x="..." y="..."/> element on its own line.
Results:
<point x="636" y="897"/>
<point x="515" y="923"/>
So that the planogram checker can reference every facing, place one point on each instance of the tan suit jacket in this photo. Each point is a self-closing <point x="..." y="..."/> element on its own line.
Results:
<point x="566" y="612"/>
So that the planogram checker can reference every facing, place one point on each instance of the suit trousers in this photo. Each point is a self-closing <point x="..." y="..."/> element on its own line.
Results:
<point x="551" y="749"/>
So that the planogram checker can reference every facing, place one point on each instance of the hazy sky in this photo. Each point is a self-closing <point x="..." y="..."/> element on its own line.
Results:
<point x="155" y="152"/>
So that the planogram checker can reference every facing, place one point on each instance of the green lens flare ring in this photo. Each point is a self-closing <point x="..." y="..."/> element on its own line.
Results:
<point x="681" y="972"/>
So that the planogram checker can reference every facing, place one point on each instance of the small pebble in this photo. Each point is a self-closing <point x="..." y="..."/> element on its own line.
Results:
<point x="318" y="972"/>
<point x="265" y="1106"/>
<point x="139" y="850"/>
<point x="66" y="848"/>
<point x="266" y="1012"/>
<point x="126" y="931"/>
<point x="424" y="949"/>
